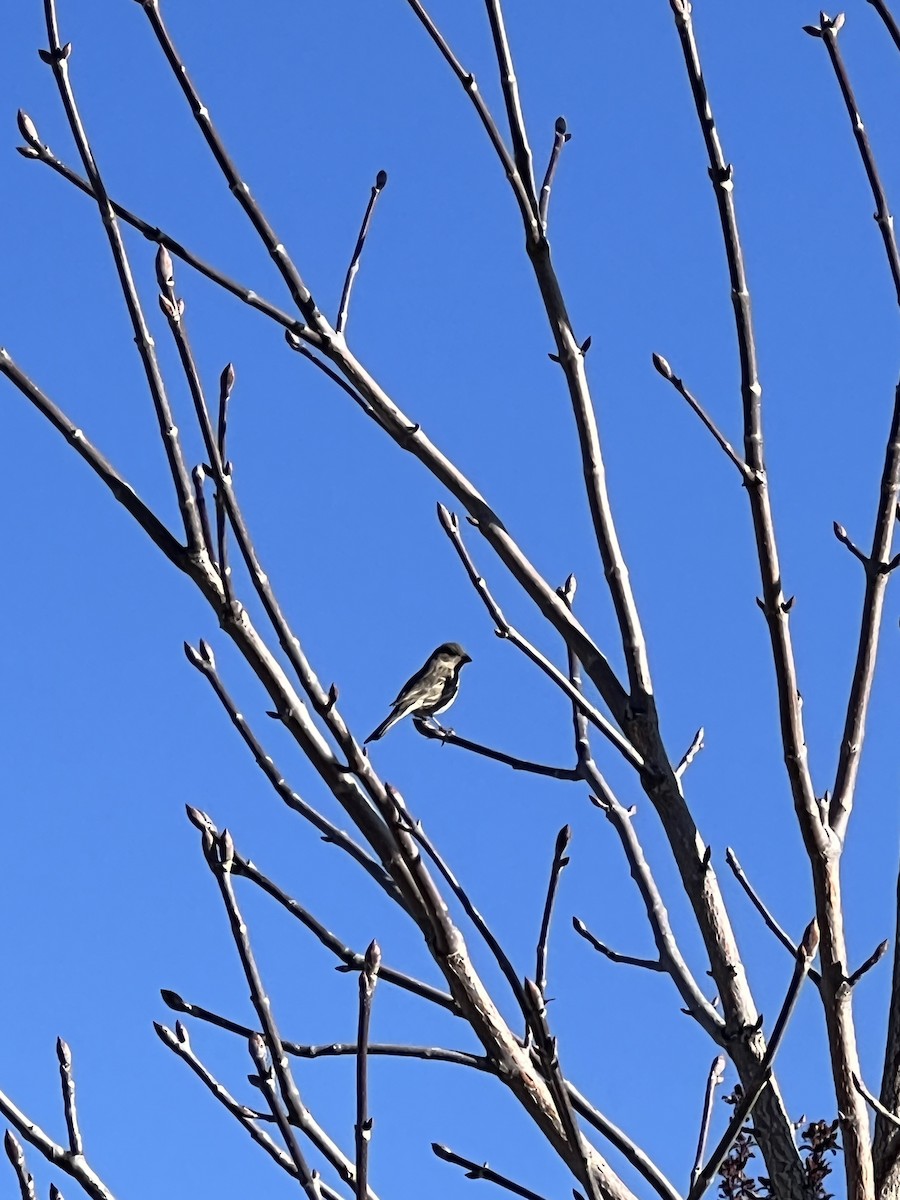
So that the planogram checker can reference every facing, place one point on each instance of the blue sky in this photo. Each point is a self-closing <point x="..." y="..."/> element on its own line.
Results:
<point x="108" y="732"/>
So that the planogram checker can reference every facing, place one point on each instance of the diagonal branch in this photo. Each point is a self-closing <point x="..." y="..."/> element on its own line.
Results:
<point x="889" y="19"/>
<point x="57" y="57"/>
<point x="694" y="404"/>
<point x="629" y="960"/>
<point x="179" y="1043"/>
<point x="204" y="660"/>
<point x="300" y="293"/>
<point x="828" y="32"/>
<point x="16" y="1156"/>
<point x="476" y="1170"/>
<point x="450" y="523"/>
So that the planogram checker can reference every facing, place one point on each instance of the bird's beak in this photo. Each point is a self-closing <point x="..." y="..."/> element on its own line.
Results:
<point x="465" y="658"/>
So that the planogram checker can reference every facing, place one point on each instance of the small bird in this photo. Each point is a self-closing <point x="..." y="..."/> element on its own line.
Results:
<point x="432" y="689"/>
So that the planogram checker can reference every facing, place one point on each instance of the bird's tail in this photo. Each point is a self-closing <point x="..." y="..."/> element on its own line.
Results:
<point x="385" y="725"/>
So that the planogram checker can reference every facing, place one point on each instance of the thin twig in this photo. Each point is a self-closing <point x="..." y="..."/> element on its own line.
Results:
<point x="510" y="87"/>
<point x="67" y="1082"/>
<point x="351" y="959"/>
<point x="878" y="569"/>
<point x="368" y="978"/>
<point x="875" y="1102"/>
<point x="344" y="306"/>
<point x="460" y="1058"/>
<point x="121" y="489"/>
<point x="476" y="1170"/>
<point x="226" y="385"/>
<point x="828" y="32"/>
<point x="789" y="945"/>
<point x="744" y="1107"/>
<point x="670" y="955"/>
<point x="716" y="1071"/>
<point x="57" y="58"/>
<point x="874" y="958"/>
<point x="42" y="153"/>
<point x="889" y="19"/>
<point x="560" y="862"/>
<point x="691" y="753"/>
<point x="678" y="384"/>
<point x="450" y="738"/>
<point x="623" y="1143"/>
<point x="527" y="205"/>
<point x="649" y="964"/>
<point x="16" y="1156"/>
<point x="300" y="293"/>
<point x="450" y="523"/>
<point x="560" y="137"/>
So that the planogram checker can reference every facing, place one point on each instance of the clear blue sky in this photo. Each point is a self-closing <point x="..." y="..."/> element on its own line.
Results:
<point x="108" y="732"/>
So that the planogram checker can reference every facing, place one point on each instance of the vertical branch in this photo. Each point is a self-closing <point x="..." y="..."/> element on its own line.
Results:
<point x="57" y="57"/>
<point x="64" y="1054"/>
<point x="223" y="471"/>
<point x="510" y="86"/>
<point x="822" y="847"/>
<point x="560" y="137"/>
<point x="367" y="979"/>
<point x="714" y="1078"/>
<point x="344" y="306"/>
<point x="878" y="566"/>
<point x="886" y="1144"/>
<point x="560" y="862"/>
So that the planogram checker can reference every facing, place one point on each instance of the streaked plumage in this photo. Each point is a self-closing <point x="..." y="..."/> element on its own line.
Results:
<point x="431" y="690"/>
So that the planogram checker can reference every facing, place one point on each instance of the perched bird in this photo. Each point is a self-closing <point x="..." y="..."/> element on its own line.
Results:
<point x="432" y="689"/>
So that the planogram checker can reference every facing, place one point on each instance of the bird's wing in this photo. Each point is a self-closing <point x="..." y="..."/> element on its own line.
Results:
<point x="413" y="683"/>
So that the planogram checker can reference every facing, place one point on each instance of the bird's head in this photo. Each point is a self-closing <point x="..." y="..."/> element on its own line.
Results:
<point x="453" y="652"/>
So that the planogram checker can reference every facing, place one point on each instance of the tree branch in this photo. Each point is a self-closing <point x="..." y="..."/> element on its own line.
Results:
<point x="476" y="1170"/>
<point x="560" y="862"/>
<point x="449" y="737"/>
<point x="744" y="1108"/>
<point x="344" y="306"/>
<point x="450" y="523"/>
<point x="678" y="384"/>
<point x="368" y="978"/>
<point x="57" y="57"/>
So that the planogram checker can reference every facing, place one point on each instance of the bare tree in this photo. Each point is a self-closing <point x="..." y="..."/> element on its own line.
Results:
<point x="616" y="732"/>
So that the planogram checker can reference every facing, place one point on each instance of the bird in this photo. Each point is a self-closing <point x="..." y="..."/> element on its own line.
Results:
<point x="432" y="689"/>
